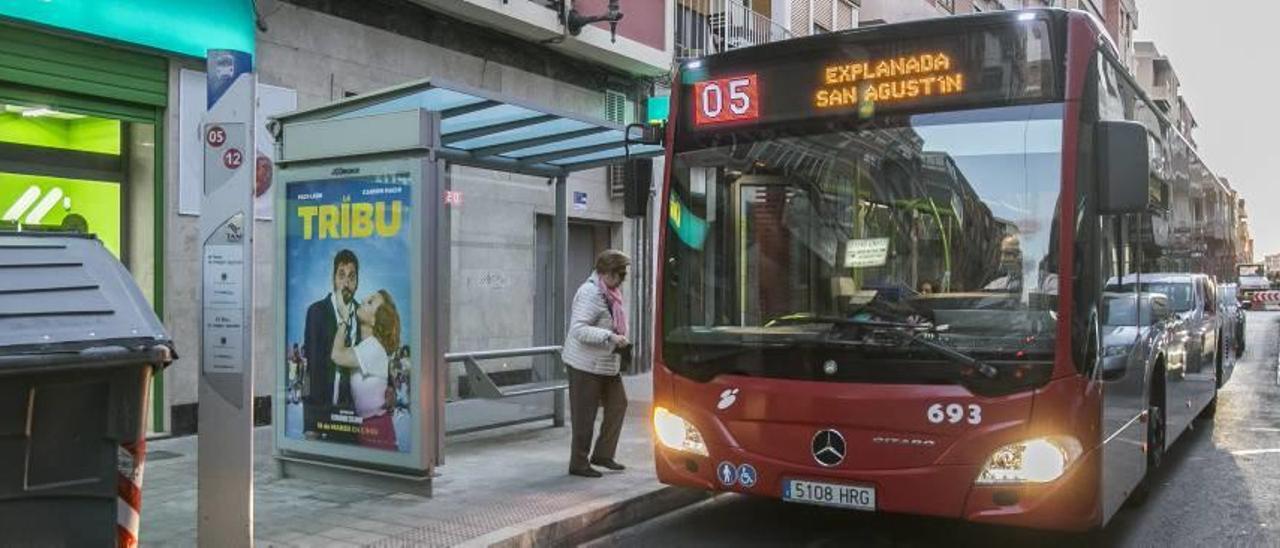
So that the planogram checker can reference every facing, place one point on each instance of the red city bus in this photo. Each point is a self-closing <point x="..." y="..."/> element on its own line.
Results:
<point x="891" y="265"/>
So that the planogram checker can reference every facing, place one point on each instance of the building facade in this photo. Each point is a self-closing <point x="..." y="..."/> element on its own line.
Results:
<point x="1157" y="76"/>
<point x="121" y="137"/>
<point x="1243" y="233"/>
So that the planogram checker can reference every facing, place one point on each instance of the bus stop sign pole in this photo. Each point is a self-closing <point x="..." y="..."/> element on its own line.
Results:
<point x="225" y="484"/>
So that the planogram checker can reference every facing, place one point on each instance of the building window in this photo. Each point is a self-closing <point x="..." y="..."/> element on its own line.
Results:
<point x="819" y="29"/>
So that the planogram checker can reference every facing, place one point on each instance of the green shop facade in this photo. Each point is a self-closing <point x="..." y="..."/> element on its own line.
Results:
<point x="86" y="87"/>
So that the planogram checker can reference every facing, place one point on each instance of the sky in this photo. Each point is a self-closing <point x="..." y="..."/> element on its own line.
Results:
<point x="1221" y="50"/>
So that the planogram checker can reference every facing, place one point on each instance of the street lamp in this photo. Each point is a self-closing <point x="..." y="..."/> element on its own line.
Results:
<point x="574" y="21"/>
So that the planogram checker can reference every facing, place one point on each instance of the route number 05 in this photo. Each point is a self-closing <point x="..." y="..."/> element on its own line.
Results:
<point x="954" y="413"/>
<point x="733" y="99"/>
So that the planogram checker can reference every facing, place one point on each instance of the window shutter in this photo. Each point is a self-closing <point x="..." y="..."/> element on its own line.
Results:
<point x="800" y="25"/>
<point x="822" y="15"/>
<point x="844" y="15"/>
<point x="617" y="110"/>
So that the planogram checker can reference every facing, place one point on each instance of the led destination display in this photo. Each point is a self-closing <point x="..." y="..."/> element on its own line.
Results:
<point x="897" y="79"/>
<point x="854" y="74"/>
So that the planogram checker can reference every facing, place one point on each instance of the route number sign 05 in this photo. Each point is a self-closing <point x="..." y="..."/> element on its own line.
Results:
<point x="735" y="99"/>
<point x="216" y="136"/>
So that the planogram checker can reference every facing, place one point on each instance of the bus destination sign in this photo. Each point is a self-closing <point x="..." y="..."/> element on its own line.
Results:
<point x="850" y="76"/>
<point x="889" y="80"/>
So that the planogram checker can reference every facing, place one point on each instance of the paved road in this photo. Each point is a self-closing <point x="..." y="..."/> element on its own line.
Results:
<point x="1220" y="487"/>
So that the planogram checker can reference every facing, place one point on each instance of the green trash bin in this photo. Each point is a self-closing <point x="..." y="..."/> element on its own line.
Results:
<point x="79" y="345"/>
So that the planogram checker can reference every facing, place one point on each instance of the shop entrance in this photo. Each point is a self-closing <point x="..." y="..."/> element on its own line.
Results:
<point x="79" y="150"/>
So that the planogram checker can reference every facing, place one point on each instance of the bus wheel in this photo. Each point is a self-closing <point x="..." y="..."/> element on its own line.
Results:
<point x="1155" y="437"/>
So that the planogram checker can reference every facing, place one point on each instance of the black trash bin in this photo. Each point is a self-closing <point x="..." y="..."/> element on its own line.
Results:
<point x="78" y="346"/>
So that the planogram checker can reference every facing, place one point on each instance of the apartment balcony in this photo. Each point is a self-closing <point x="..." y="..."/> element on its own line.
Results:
<point x="704" y="27"/>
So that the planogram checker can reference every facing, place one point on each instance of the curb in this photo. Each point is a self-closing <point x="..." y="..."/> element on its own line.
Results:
<point x="591" y="520"/>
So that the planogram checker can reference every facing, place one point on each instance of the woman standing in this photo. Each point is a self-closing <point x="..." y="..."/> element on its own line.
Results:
<point x="593" y="352"/>
<point x="379" y="328"/>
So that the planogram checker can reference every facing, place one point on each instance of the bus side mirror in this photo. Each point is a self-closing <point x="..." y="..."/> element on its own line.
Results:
<point x="646" y="134"/>
<point x="637" y="178"/>
<point x="1124" y="181"/>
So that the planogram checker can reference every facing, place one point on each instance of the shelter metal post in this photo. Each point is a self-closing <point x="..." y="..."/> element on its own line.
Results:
<point x="560" y="262"/>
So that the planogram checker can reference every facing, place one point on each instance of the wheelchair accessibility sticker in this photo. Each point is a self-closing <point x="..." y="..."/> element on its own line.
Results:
<point x="747" y="475"/>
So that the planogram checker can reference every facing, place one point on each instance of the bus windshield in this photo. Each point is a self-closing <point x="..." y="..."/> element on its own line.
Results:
<point x="782" y="239"/>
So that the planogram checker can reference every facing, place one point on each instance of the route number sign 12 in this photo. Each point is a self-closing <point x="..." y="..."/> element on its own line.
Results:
<point x="735" y="99"/>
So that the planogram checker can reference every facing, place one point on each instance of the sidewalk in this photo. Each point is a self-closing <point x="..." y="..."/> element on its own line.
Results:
<point x="506" y="486"/>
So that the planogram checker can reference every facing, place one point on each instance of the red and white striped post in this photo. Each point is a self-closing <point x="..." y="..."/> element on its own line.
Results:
<point x="130" y="457"/>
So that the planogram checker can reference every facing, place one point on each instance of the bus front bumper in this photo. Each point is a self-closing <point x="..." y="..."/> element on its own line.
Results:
<point x="1067" y="504"/>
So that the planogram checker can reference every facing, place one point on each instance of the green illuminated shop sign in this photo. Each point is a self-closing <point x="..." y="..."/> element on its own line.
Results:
<point x="185" y="27"/>
<point x="63" y="204"/>
<point x="658" y="109"/>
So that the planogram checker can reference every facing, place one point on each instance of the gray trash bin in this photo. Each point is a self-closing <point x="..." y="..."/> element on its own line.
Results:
<point x="78" y="346"/>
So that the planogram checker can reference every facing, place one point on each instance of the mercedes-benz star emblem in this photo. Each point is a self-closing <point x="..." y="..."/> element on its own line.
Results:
<point x="828" y="447"/>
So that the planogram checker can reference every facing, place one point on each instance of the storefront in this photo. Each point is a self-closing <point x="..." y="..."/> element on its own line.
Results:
<point x="84" y="95"/>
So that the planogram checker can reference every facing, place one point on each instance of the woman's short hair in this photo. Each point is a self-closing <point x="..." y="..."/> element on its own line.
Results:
<point x="386" y="323"/>
<point x="612" y="260"/>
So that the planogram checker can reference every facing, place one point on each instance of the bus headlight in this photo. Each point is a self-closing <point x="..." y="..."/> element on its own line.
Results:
<point x="676" y="433"/>
<point x="1039" y="460"/>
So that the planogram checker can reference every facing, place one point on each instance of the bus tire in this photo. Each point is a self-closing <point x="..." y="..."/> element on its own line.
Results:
<point x="1155" y="439"/>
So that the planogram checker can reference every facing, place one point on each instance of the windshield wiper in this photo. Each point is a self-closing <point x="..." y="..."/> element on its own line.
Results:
<point x="920" y="334"/>
<point x="923" y="333"/>
<point x="838" y="320"/>
<point x="987" y="370"/>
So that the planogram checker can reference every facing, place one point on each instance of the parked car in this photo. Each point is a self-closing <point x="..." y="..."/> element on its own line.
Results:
<point x="1194" y="299"/>
<point x="1233" y="314"/>
<point x="1136" y="330"/>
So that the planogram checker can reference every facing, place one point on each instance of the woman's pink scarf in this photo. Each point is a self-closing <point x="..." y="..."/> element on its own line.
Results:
<point x="614" y="298"/>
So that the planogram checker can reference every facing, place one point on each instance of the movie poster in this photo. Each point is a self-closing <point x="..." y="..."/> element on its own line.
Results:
<point x="348" y="324"/>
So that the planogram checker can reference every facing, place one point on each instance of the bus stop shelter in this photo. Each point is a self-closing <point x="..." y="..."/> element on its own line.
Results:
<point x="366" y="186"/>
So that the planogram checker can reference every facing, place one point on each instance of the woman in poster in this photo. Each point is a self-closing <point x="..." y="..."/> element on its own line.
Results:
<point x="378" y="324"/>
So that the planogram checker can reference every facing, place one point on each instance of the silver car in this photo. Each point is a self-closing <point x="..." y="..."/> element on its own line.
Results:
<point x="1194" y="299"/>
<point x="1135" y="334"/>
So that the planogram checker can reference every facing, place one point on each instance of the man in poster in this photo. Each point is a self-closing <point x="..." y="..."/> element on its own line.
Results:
<point x="330" y="387"/>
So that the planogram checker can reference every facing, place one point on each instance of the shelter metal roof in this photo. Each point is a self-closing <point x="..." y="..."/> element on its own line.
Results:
<point x="484" y="129"/>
